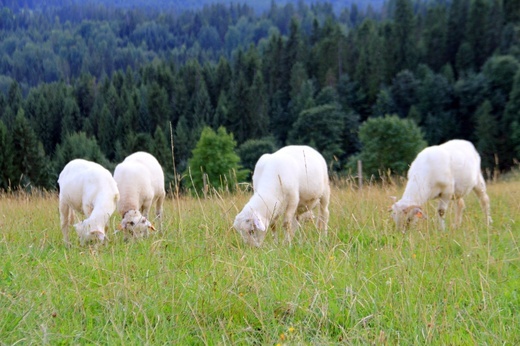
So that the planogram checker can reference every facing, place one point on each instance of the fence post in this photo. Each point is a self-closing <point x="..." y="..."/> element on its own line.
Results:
<point x="360" y="174"/>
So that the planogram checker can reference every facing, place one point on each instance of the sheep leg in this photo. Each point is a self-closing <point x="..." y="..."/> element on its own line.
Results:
<point x="145" y="208"/>
<point x="66" y="218"/>
<point x="459" y="208"/>
<point x="159" y="210"/>
<point x="323" y="217"/>
<point x="441" y="211"/>
<point x="483" y="198"/>
<point x="288" y="222"/>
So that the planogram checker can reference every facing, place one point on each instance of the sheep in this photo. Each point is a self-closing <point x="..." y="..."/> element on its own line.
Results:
<point x="447" y="171"/>
<point x="89" y="188"/>
<point x="292" y="182"/>
<point x="140" y="179"/>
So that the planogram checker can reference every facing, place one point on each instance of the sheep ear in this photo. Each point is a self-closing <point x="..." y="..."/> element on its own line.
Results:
<point x="150" y="226"/>
<point x="394" y="199"/>
<point x="259" y="225"/>
<point x="418" y="213"/>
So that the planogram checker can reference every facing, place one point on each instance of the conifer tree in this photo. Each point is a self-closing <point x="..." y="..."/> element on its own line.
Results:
<point x="31" y="166"/>
<point x="486" y="134"/>
<point x="6" y="158"/>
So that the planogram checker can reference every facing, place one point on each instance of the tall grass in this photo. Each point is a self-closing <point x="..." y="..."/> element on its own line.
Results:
<point x="197" y="283"/>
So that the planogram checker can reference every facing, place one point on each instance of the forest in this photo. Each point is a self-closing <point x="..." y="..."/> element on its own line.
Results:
<point x="99" y="81"/>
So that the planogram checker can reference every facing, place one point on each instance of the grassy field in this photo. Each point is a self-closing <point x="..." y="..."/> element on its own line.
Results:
<point x="196" y="283"/>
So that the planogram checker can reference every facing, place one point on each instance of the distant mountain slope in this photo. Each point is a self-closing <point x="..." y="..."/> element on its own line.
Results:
<point x="180" y="5"/>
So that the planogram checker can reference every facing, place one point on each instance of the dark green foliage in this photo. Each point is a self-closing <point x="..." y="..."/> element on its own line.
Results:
<point x="388" y="144"/>
<point x="297" y="73"/>
<point x="251" y="150"/>
<point x="404" y="92"/>
<point x="404" y="46"/>
<point x="214" y="163"/>
<point x="30" y="166"/>
<point x="486" y="131"/>
<point x="435" y="99"/>
<point x="161" y="149"/>
<point x="6" y="158"/>
<point x="500" y="71"/>
<point x="78" y="146"/>
<point x="321" y="127"/>
<point x="511" y="123"/>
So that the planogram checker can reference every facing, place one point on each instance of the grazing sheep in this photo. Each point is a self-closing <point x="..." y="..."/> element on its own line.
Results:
<point x="292" y="182"/>
<point x="447" y="171"/>
<point x="89" y="188"/>
<point x="140" y="180"/>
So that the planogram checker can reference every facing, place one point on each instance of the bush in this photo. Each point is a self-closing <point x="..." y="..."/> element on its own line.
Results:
<point x="388" y="143"/>
<point x="215" y="158"/>
<point x="251" y="150"/>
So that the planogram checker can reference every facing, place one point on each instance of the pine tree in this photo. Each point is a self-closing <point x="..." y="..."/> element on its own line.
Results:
<point x="161" y="149"/>
<point x="321" y="127"/>
<point x="435" y="37"/>
<point x="369" y="67"/>
<point x="404" y="30"/>
<point x="456" y="30"/>
<point x="77" y="146"/>
<point x="510" y="125"/>
<point x="6" y="158"/>
<point x="31" y="166"/>
<point x="486" y="134"/>
<point x="478" y="30"/>
<point x="184" y="142"/>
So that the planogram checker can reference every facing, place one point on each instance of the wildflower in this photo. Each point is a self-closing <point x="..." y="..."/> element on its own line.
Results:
<point x="282" y="337"/>
<point x="291" y="329"/>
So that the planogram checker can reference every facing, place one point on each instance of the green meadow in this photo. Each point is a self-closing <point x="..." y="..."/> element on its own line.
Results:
<point x="195" y="282"/>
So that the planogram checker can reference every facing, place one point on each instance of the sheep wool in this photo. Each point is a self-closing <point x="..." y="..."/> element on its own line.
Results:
<point x="447" y="171"/>
<point x="86" y="187"/>
<point x="140" y="179"/>
<point x="290" y="182"/>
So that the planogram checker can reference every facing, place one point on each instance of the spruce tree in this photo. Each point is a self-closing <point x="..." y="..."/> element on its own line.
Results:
<point x="7" y="176"/>
<point x="31" y="167"/>
<point x="486" y="134"/>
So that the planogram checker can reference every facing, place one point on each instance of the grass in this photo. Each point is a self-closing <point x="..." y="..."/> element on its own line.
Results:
<point x="197" y="283"/>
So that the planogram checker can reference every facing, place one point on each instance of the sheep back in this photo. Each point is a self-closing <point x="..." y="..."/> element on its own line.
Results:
<point x="140" y="178"/>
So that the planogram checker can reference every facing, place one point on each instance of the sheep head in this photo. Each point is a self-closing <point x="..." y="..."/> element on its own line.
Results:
<point x="86" y="234"/>
<point x="136" y="224"/>
<point x="404" y="216"/>
<point x="251" y="227"/>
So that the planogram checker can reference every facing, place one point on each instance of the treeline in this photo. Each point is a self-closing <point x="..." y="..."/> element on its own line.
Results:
<point x="103" y="82"/>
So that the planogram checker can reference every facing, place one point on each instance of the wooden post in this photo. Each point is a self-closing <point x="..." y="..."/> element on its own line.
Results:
<point x="360" y="174"/>
<point x="205" y="183"/>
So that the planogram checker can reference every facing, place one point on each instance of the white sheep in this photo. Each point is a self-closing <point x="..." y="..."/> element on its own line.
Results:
<point x="447" y="171"/>
<point x="292" y="182"/>
<point x="89" y="188"/>
<point x="140" y="179"/>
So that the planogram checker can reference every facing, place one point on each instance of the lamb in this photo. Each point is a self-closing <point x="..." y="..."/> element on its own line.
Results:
<point x="89" y="188"/>
<point x="140" y="179"/>
<point x="447" y="171"/>
<point x="292" y="182"/>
